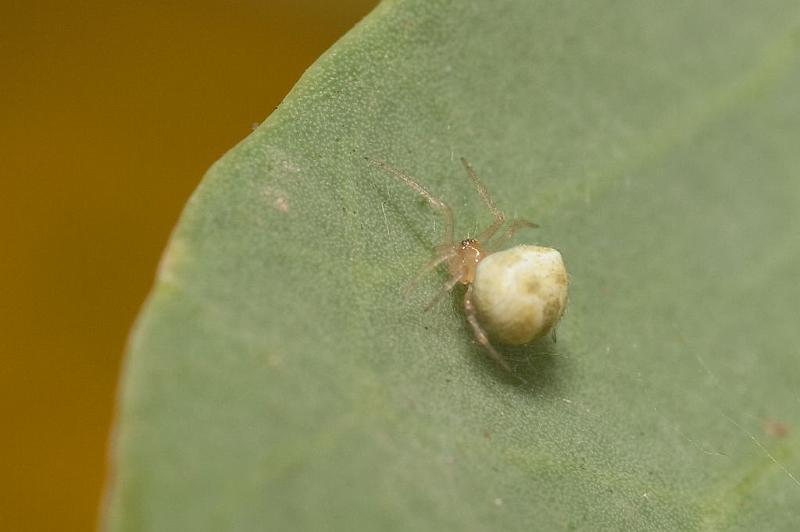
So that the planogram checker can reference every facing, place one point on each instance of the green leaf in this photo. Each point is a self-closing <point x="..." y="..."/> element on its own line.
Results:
<point x="278" y="380"/>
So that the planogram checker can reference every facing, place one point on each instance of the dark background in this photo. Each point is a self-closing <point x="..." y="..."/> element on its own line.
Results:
<point x="110" y="113"/>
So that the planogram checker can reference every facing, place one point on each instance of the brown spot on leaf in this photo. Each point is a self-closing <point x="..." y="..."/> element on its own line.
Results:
<point x="775" y="428"/>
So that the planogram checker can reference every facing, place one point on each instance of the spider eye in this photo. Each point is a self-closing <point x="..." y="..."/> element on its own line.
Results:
<point x="466" y="242"/>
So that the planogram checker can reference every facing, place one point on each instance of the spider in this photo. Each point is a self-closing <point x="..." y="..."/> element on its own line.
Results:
<point x="514" y="296"/>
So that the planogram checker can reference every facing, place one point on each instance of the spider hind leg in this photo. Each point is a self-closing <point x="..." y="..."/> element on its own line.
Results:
<point x="480" y="334"/>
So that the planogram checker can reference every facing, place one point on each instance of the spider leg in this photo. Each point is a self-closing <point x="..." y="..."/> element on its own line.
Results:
<point x="480" y="334"/>
<point x="433" y="201"/>
<point x="443" y="291"/>
<point x="499" y="217"/>
<point x="443" y="255"/>
<point x="511" y="230"/>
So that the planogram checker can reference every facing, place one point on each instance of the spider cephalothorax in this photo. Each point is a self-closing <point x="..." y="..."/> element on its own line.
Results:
<point x="467" y="254"/>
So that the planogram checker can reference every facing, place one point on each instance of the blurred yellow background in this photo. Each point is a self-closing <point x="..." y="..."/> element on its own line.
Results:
<point x="110" y="113"/>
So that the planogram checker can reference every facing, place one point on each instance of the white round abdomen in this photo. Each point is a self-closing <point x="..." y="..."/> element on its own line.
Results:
<point x="520" y="293"/>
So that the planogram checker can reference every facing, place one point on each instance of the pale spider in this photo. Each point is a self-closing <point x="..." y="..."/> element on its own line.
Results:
<point x="516" y="295"/>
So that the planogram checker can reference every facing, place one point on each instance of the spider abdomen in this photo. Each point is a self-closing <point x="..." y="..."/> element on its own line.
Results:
<point x="520" y="293"/>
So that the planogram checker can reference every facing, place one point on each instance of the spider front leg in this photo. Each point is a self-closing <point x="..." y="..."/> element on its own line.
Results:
<point x="499" y="217"/>
<point x="435" y="203"/>
<point x="513" y="227"/>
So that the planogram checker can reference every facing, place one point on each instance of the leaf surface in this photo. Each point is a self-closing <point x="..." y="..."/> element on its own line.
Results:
<point x="278" y="380"/>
